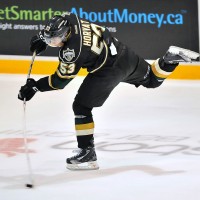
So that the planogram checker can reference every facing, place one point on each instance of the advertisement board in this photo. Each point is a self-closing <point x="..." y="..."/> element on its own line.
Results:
<point x="148" y="26"/>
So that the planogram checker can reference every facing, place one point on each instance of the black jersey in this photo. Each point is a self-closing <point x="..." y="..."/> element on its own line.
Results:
<point x="84" y="48"/>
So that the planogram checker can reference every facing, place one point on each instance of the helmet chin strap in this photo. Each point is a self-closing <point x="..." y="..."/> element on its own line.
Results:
<point x="58" y="45"/>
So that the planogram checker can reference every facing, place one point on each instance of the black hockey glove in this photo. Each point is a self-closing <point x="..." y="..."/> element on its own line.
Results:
<point x="38" y="44"/>
<point x="107" y="37"/>
<point x="28" y="90"/>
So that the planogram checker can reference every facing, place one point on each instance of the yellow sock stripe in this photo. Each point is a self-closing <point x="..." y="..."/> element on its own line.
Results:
<point x="84" y="129"/>
<point x="84" y="126"/>
<point x="158" y="71"/>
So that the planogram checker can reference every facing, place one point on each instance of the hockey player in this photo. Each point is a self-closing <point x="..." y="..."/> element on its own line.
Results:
<point x="108" y="61"/>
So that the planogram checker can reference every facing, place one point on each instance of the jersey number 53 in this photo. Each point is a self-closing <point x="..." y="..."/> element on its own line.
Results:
<point x="66" y="69"/>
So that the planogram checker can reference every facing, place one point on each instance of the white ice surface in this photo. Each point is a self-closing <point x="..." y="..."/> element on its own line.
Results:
<point x="147" y="142"/>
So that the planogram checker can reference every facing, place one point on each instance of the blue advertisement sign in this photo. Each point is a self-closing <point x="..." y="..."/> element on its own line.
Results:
<point x="148" y="26"/>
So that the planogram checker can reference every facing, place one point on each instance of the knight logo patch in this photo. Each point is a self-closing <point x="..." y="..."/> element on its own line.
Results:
<point x="68" y="54"/>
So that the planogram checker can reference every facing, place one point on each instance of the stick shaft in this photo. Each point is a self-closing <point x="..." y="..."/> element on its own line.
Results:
<point x="28" y="161"/>
<point x="31" y="65"/>
<point x="24" y="126"/>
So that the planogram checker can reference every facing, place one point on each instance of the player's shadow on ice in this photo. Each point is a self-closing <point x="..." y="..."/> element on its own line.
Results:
<point x="69" y="176"/>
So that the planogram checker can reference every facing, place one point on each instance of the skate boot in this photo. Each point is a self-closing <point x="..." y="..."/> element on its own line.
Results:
<point x="85" y="159"/>
<point x="175" y="55"/>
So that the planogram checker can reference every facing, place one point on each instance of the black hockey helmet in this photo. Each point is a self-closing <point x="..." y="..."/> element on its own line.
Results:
<point x="57" y="26"/>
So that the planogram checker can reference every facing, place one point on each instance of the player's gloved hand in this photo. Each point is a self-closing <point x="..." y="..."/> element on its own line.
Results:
<point x="107" y="37"/>
<point x="28" y="90"/>
<point x="38" y="44"/>
<point x="109" y="41"/>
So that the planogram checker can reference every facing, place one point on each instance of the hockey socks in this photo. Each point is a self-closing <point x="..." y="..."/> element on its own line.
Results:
<point x="162" y="70"/>
<point x="86" y="158"/>
<point x="84" y="126"/>
<point x="163" y="67"/>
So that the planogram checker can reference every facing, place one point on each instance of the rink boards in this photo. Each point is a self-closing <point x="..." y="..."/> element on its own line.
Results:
<point x="47" y="65"/>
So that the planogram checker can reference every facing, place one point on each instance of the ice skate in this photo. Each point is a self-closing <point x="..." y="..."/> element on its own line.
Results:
<point x="175" y="55"/>
<point x="85" y="159"/>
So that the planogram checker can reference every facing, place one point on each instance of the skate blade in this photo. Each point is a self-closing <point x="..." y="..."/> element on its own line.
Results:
<point x="83" y="166"/>
<point x="188" y="53"/>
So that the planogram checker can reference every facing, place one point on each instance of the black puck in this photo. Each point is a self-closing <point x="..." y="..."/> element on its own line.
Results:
<point x="29" y="185"/>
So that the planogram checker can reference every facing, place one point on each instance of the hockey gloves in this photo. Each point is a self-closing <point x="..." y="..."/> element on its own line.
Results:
<point x="28" y="90"/>
<point x="109" y="41"/>
<point x="38" y="44"/>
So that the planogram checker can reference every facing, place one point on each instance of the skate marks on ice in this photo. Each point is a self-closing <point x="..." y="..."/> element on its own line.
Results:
<point x="164" y="146"/>
<point x="11" y="142"/>
<point x="17" y="182"/>
<point x="106" y="144"/>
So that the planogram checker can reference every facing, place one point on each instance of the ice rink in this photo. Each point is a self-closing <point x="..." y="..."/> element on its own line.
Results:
<point x="147" y="143"/>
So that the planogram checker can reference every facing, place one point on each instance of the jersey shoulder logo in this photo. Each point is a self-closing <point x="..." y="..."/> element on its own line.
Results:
<point x="68" y="54"/>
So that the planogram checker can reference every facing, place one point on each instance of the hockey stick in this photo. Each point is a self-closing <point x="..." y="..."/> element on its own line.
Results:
<point x="31" y="182"/>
